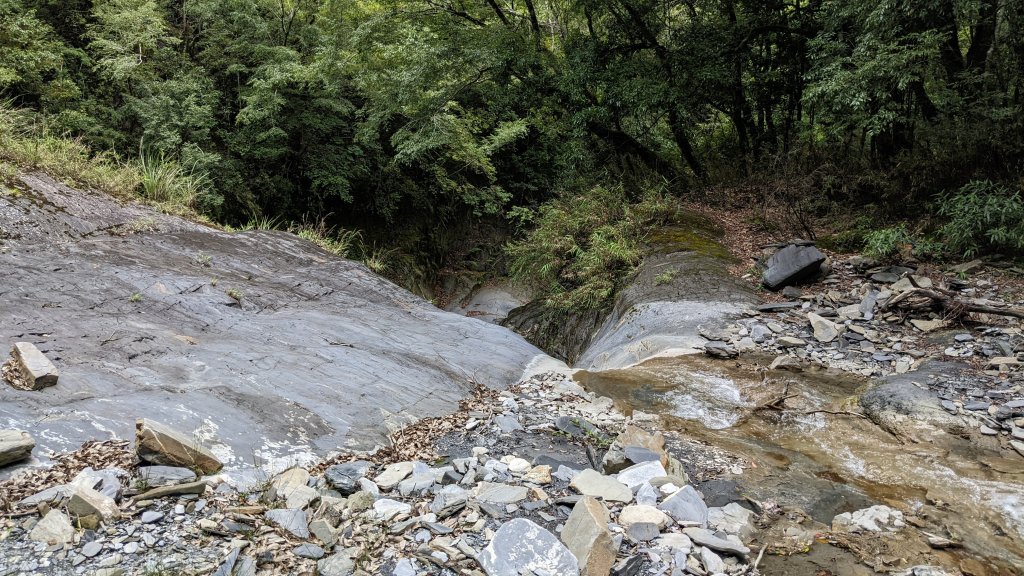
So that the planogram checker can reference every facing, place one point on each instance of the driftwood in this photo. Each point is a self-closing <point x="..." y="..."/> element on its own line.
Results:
<point x="947" y="300"/>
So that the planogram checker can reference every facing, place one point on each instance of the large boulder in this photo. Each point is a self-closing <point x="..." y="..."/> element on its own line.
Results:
<point x="790" y="265"/>
<point x="520" y="546"/>
<point x="158" y="444"/>
<point x="15" y="445"/>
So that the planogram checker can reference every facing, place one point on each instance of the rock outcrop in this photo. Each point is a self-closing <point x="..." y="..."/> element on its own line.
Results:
<point x="313" y="352"/>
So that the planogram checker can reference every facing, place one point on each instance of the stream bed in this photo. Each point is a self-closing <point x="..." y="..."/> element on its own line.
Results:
<point x="813" y="454"/>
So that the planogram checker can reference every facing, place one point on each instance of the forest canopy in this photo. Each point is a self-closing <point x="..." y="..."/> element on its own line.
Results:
<point x="402" y="115"/>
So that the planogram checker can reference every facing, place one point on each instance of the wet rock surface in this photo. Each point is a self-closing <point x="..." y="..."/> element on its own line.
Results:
<point x="257" y="339"/>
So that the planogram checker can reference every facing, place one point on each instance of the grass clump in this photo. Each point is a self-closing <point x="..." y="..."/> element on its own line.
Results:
<point x="338" y="242"/>
<point x="666" y="277"/>
<point x="169" y="184"/>
<point x="583" y="246"/>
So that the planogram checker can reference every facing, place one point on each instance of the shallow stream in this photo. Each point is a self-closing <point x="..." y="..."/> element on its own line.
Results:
<point x="827" y="463"/>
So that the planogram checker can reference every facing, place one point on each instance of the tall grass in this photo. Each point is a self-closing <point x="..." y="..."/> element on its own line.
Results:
<point x="168" y="183"/>
<point x="26" y="142"/>
<point x="342" y="243"/>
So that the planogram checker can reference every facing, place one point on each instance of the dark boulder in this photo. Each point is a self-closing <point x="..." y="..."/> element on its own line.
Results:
<point x="790" y="265"/>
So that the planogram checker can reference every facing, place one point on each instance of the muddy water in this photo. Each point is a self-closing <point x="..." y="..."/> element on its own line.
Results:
<point x="825" y="464"/>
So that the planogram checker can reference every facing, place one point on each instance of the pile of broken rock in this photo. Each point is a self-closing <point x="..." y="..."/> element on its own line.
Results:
<point x="489" y="511"/>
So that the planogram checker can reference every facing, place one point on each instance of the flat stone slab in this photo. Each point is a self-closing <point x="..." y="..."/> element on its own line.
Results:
<point x="593" y="483"/>
<point x="288" y="519"/>
<point x="686" y="505"/>
<point x="705" y="537"/>
<point x="522" y="547"/>
<point x="34" y="368"/>
<point x="154" y="476"/>
<point x="15" y="445"/>
<point x="500" y="493"/>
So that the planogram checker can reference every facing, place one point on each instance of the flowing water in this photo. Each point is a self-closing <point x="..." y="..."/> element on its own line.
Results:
<point x="829" y="463"/>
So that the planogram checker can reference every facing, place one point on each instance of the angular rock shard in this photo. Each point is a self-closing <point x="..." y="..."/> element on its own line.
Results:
<point x="586" y="535"/>
<point x="159" y="444"/>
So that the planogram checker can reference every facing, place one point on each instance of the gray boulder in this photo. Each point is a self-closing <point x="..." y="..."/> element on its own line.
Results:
<point x="790" y="265"/>
<point x="520" y="546"/>
<point x="345" y="477"/>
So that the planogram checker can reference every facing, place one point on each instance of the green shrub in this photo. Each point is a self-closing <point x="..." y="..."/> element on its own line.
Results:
<point x="983" y="216"/>
<point x="583" y="245"/>
<point x="887" y="244"/>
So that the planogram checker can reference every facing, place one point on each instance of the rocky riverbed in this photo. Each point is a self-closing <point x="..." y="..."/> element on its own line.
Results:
<point x="544" y="477"/>
<point x="316" y="419"/>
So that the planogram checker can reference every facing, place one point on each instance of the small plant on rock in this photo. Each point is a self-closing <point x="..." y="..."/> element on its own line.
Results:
<point x="235" y="294"/>
<point x="135" y="298"/>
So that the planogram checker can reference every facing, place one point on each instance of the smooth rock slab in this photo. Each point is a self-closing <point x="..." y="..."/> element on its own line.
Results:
<point x="392" y="475"/>
<point x="500" y="493"/>
<point x="151" y="516"/>
<point x="686" y="505"/>
<point x="641" y="514"/>
<point x="732" y="519"/>
<point x="790" y="265"/>
<point x="824" y="330"/>
<point x="586" y="535"/>
<point x="643" y="531"/>
<point x="639" y="474"/>
<point x="289" y="519"/>
<point x="15" y="445"/>
<point x="87" y="502"/>
<point x="159" y="444"/>
<point x="387" y="508"/>
<point x="449" y="500"/>
<point x="337" y="565"/>
<point x="35" y="369"/>
<point x="707" y="538"/>
<point x="520" y="546"/>
<point x="592" y="483"/>
<point x="154" y="476"/>
<point x="311" y="551"/>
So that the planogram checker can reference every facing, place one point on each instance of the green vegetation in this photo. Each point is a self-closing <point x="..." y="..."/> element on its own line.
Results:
<point x="235" y="294"/>
<point x="583" y="246"/>
<point x="135" y="298"/>
<point x="666" y="277"/>
<point x="408" y="126"/>
<point x="984" y="216"/>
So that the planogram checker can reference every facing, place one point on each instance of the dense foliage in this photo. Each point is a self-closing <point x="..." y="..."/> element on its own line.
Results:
<point x="407" y="118"/>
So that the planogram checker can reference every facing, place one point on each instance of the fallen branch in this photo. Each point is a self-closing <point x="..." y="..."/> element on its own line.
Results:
<point x="947" y="301"/>
<point x="837" y="413"/>
<point x="775" y="404"/>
